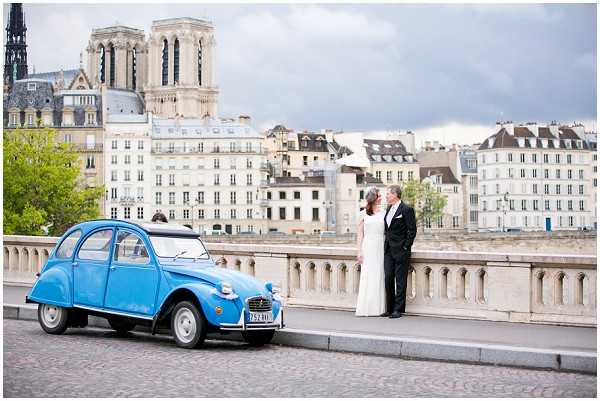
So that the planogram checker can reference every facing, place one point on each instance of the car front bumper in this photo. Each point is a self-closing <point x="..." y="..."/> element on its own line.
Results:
<point x="241" y="325"/>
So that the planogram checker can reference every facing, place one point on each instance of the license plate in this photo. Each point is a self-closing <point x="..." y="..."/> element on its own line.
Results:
<point x="261" y="317"/>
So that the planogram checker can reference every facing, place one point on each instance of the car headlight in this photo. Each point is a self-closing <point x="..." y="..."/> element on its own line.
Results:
<point x="224" y="287"/>
<point x="272" y="289"/>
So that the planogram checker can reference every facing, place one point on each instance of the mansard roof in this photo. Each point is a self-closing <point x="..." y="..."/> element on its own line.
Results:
<point x="444" y="171"/>
<point x="54" y="76"/>
<point x="503" y="139"/>
<point x="311" y="142"/>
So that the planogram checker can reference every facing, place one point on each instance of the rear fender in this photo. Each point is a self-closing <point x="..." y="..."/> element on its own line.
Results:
<point x="53" y="286"/>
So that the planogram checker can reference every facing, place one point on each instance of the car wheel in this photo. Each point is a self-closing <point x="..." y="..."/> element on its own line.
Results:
<point x="53" y="319"/>
<point x="188" y="325"/>
<point x="121" y="326"/>
<point x="259" y="337"/>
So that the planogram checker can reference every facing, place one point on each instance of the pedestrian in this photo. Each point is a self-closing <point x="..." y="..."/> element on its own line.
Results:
<point x="159" y="217"/>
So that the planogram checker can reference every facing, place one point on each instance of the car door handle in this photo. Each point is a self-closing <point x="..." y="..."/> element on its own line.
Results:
<point x="112" y="267"/>
<point x="75" y="264"/>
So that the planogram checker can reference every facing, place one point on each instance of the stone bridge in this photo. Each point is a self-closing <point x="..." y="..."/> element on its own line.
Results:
<point x="515" y="287"/>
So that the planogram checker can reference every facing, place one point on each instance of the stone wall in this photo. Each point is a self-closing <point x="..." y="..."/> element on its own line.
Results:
<point x="515" y="287"/>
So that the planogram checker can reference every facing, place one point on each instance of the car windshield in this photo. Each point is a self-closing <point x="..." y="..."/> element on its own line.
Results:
<point x="178" y="247"/>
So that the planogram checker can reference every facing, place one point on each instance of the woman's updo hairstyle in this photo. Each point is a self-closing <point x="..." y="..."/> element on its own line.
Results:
<point x="371" y="198"/>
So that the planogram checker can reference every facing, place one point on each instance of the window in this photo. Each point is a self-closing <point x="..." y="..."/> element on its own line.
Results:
<point x="269" y="195"/>
<point x="570" y="189"/>
<point x="534" y="158"/>
<point x="523" y="204"/>
<point x="534" y="188"/>
<point x="233" y="198"/>
<point x="171" y="179"/>
<point x="568" y="159"/>
<point x="315" y="214"/>
<point x="113" y="212"/>
<point x="581" y="174"/>
<point x="158" y="180"/>
<point x="186" y="198"/>
<point x="558" y="173"/>
<point x="113" y="175"/>
<point x="127" y="144"/>
<point x="186" y="214"/>
<point x="296" y="213"/>
<point x="510" y="159"/>
<point x="96" y="246"/>
<point x="171" y="198"/>
<point x="305" y="160"/>
<point x="281" y="194"/>
<point x="454" y="221"/>
<point x="140" y="145"/>
<point x="113" y="193"/>
<point x="582" y="205"/>
<point x="281" y="213"/>
<point x="140" y="159"/>
<point x="498" y="203"/>
<point x="547" y="205"/>
<point x="511" y="204"/>
<point x="217" y="198"/>
<point x="570" y="221"/>
<point x="127" y="175"/>
<point x="484" y="206"/>
<point x="378" y="175"/>
<point x="546" y="158"/>
<point x="216" y="179"/>
<point x="536" y="204"/>
<point x="388" y="176"/>
<point x="269" y="213"/>
<point x="216" y="163"/>
<point x="522" y="157"/>
<point x="557" y="158"/>
<point x="559" y="205"/>
<point x="232" y="179"/>
<point x="233" y="214"/>
<point x="158" y="198"/>
<point x="569" y="205"/>
<point x="546" y="189"/>
<point x="140" y="175"/>
<point x="570" y="174"/>
<point x="581" y="190"/>
<point x="66" y="248"/>
<point x="248" y="213"/>
<point x="90" y="162"/>
<point x="165" y="63"/>
<point x="249" y="198"/>
<point x="315" y="195"/>
<point x="557" y="189"/>
<point x="410" y="175"/>
<point x="201" y="214"/>
<point x="127" y="159"/>
<point x="497" y="188"/>
<point x="534" y="173"/>
<point x="127" y="212"/>
<point x="249" y="179"/>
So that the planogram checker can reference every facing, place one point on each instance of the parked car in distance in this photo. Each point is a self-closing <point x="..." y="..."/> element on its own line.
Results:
<point x="247" y="233"/>
<point x="154" y="275"/>
<point x="276" y="233"/>
<point x="215" y="232"/>
<point x="325" y="234"/>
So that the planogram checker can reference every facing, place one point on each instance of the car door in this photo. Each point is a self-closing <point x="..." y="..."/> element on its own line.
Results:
<point x="90" y="268"/>
<point x="133" y="277"/>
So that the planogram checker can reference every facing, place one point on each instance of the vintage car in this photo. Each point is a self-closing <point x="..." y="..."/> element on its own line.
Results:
<point x="153" y="274"/>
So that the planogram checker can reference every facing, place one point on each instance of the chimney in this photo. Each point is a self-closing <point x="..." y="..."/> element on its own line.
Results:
<point x="244" y="119"/>
<point x="436" y="145"/>
<point x="509" y="126"/>
<point x="533" y="127"/>
<point x="579" y="130"/>
<point x="329" y="135"/>
<point x="554" y="129"/>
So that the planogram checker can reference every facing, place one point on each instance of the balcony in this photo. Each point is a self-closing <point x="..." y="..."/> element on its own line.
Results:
<point x="127" y="201"/>
<point x="80" y="147"/>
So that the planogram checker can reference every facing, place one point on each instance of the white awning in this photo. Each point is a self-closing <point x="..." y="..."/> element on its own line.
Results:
<point x="354" y="160"/>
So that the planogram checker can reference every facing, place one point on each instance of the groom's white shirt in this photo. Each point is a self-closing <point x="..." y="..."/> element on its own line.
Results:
<point x="392" y="212"/>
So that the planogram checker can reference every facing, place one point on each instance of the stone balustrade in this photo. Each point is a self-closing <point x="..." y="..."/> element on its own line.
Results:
<point x="537" y="288"/>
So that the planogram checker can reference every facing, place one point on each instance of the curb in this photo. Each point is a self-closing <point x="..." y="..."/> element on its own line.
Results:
<point x="399" y="347"/>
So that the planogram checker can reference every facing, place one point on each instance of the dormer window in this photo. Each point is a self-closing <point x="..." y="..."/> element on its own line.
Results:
<point x="521" y="142"/>
<point x="578" y="144"/>
<point x="490" y="142"/>
<point x="31" y="86"/>
<point x="556" y="143"/>
<point x="544" y="143"/>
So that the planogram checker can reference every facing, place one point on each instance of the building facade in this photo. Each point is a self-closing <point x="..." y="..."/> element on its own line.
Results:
<point x="535" y="178"/>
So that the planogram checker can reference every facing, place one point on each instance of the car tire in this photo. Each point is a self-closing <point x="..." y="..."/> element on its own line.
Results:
<point x="53" y="319"/>
<point x="258" y="338"/>
<point x="188" y="325"/>
<point x="121" y="326"/>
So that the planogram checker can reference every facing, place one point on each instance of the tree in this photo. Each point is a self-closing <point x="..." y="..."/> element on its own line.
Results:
<point x="42" y="188"/>
<point x="427" y="202"/>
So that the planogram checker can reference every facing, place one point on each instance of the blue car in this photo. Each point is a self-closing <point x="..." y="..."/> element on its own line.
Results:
<point x="158" y="275"/>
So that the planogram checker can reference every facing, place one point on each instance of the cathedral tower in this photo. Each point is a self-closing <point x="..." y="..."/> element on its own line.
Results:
<point x="15" y="61"/>
<point x="181" y="73"/>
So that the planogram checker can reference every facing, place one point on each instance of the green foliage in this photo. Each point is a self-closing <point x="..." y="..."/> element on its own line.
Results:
<point x="41" y="184"/>
<point x="427" y="202"/>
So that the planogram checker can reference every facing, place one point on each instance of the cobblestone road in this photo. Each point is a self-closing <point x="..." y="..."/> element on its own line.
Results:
<point x="96" y="363"/>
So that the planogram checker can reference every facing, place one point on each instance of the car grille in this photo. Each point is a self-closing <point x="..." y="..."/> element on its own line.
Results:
<point x="259" y="304"/>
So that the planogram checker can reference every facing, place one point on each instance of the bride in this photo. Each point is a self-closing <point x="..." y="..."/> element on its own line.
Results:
<point x="370" y="242"/>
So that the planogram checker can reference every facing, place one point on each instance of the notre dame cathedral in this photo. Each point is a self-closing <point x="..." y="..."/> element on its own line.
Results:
<point x="173" y="68"/>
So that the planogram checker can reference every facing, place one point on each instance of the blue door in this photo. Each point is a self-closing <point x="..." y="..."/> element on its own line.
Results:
<point x="548" y="224"/>
<point x="132" y="277"/>
<point x="90" y="268"/>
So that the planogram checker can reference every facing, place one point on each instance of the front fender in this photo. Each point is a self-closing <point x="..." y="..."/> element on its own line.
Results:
<point x="209" y="300"/>
<point x="53" y="287"/>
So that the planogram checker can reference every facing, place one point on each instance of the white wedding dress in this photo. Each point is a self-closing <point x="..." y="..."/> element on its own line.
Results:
<point x="371" y="290"/>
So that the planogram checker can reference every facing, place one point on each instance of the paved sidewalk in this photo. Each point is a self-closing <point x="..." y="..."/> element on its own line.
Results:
<point x="419" y="327"/>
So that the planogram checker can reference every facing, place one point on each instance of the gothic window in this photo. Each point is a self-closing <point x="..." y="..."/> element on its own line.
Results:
<point x="165" y="63"/>
<point x="112" y="65"/>
<point x="102" y="64"/>
<point x="200" y="63"/>
<point x="176" y="61"/>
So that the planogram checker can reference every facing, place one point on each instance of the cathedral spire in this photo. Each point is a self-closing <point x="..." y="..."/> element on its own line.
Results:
<point x="15" y="62"/>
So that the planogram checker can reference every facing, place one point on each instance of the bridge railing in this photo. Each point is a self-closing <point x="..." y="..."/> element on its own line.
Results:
<point x="540" y="288"/>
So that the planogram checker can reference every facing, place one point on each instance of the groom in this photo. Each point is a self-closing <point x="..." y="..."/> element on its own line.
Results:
<point x="400" y="232"/>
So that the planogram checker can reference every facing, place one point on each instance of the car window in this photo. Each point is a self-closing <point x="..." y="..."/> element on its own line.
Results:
<point x="181" y="247"/>
<point x="67" y="247"/>
<point x="130" y="248"/>
<point x="96" y="246"/>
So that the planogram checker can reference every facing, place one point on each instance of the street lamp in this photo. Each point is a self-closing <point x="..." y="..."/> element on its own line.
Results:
<point x="196" y="203"/>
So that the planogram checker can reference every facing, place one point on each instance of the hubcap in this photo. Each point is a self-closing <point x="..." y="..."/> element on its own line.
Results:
<point x="51" y="315"/>
<point x="185" y="325"/>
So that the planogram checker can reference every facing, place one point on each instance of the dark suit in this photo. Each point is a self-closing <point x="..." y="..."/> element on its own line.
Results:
<point x="399" y="237"/>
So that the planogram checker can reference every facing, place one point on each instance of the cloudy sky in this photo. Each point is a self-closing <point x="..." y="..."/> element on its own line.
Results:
<point x="445" y="72"/>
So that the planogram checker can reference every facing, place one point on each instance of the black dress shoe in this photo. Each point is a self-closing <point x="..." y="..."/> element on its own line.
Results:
<point x="386" y="314"/>
<point x="395" y="315"/>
